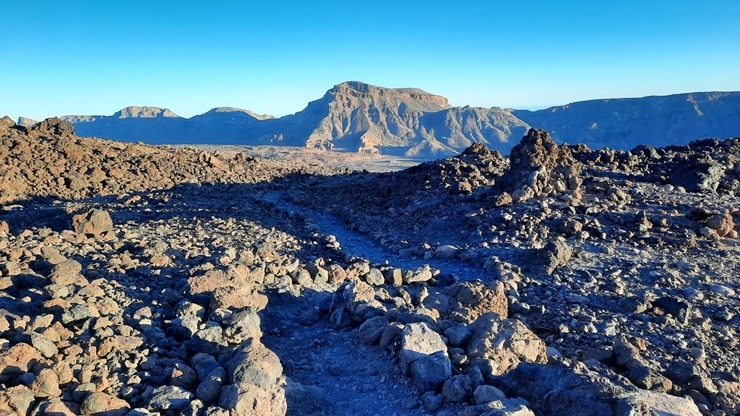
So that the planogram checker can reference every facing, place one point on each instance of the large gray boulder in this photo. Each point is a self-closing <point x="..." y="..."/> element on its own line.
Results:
<point x="498" y="345"/>
<point x="418" y="340"/>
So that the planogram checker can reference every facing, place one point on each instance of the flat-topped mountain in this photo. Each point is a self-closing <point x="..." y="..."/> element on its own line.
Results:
<point x="26" y="122"/>
<point x="144" y="112"/>
<point x="235" y="113"/>
<point x="358" y="117"/>
<point x="406" y="121"/>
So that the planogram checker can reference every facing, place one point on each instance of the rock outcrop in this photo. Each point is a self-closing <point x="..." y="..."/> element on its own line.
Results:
<point x="539" y="167"/>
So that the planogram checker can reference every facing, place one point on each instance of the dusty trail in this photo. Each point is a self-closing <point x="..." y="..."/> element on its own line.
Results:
<point x="329" y="372"/>
<point x="361" y="245"/>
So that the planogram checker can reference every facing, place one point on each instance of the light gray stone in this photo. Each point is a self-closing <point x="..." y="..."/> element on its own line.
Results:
<point x="418" y="340"/>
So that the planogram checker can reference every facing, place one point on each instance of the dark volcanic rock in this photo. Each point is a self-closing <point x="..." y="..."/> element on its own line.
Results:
<point x="541" y="167"/>
<point x="556" y="389"/>
<point x="53" y="127"/>
<point x="698" y="176"/>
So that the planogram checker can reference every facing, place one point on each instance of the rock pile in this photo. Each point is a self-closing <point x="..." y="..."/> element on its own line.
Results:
<point x="446" y="352"/>
<point x="83" y="340"/>
<point x="540" y="168"/>
<point x="48" y="159"/>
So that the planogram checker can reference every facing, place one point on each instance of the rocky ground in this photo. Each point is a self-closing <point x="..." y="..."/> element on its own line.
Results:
<point x="156" y="280"/>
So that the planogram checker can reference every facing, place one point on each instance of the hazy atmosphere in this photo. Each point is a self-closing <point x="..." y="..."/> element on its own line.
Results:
<point x="91" y="57"/>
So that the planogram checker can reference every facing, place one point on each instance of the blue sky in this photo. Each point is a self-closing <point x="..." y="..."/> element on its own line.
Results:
<point x="95" y="57"/>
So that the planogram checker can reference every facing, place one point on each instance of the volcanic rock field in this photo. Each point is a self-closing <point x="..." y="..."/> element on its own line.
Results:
<point x="559" y="280"/>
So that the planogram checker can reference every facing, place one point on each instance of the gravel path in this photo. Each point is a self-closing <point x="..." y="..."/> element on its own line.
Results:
<point x="330" y="372"/>
<point x="361" y="245"/>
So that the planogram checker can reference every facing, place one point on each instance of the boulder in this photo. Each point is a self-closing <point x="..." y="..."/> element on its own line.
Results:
<point x="92" y="223"/>
<point x="241" y="326"/>
<point x="253" y="363"/>
<point x="350" y="302"/>
<point x="627" y="354"/>
<point x="237" y="297"/>
<point x="170" y="398"/>
<point x="53" y="126"/>
<point x="485" y="394"/>
<point x="446" y="252"/>
<point x="418" y="340"/>
<point x="457" y="389"/>
<point x="55" y="407"/>
<point x="429" y="372"/>
<point x="673" y="306"/>
<point x="557" y="389"/>
<point x="539" y="167"/>
<point x="665" y="404"/>
<point x="16" y="400"/>
<point x="375" y="277"/>
<point x="16" y="360"/>
<point x="231" y="289"/>
<point x="372" y="330"/>
<point x="247" y="399"/>
<point x="97" y="403"/>
<point x="697" y="175"/>
<point x="422" y="274"/>
<point x="476" y="298"/>
<point x="209" y="388"/>
<point x="65" y="273"/>
<point x="393" y="276"/>
<point x="723" y="224"/>
<point x="46" y="384"/>
<point x="498" y="345"/>
<point x="556" y="253"/>
<point x="337" y="274"/>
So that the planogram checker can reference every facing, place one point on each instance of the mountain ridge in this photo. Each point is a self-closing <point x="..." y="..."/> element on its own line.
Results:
<point x="664" y="120"/>
<point x="358" y="117"/>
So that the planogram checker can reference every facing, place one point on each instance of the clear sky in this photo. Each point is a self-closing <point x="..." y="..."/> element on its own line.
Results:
<point x="97" y="56"/>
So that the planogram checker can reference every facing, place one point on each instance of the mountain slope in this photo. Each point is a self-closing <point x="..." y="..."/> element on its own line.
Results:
<point x="153" y="125"/>
<point x="629" y="122"/>
<point x="406" y="121"/>
<point x="357" y="117"/>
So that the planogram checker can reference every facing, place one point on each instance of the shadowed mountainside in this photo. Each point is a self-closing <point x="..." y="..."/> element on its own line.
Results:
<point x="629" y="122"/>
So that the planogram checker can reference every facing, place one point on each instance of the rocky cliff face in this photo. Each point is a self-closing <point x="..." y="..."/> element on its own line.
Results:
<point x="358" y="117"/>
<point x="144" y="112"/>
<point x="409" y="122"/>
<point x="626" y="123"/>
<point x="363" y="117"/>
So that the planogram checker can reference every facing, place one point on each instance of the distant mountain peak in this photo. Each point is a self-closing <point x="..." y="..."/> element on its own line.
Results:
<point x="414" y="99"/>
<point x="363" y="88"/>
<point x="144" y="112"/>
<point x="220" y="110"/>
<point x="26" y="122"/>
